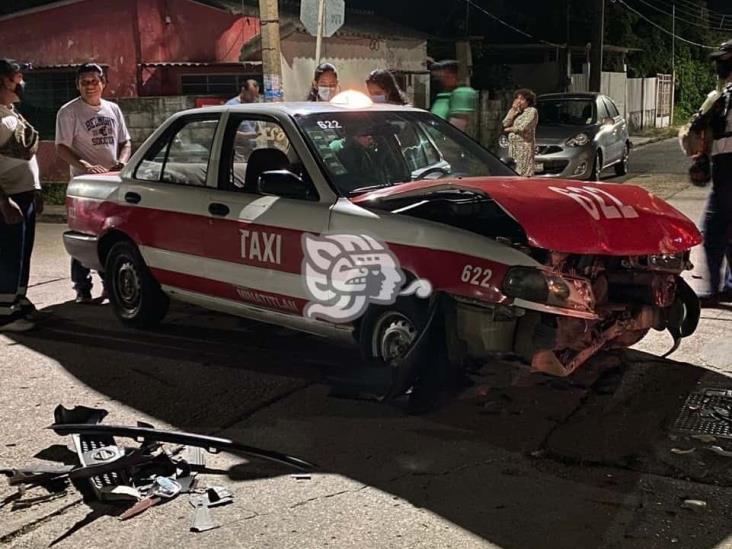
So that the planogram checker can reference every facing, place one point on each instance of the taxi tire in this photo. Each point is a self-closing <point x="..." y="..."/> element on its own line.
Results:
<point x="153" y="303"/>
<point x="381" y="318"/>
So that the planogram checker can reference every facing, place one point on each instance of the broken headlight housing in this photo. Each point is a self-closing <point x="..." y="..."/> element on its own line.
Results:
<point x="550" y="288"/>
<point x="657" y="262"/>
<point x="666" y="262"/>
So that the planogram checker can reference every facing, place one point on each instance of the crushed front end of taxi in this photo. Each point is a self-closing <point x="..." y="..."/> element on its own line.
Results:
<point x="608" y="264"/>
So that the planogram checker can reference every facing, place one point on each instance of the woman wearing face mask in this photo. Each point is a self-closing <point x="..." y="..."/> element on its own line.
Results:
<point x="383" y="88"/>
<point x="325" y="83"/>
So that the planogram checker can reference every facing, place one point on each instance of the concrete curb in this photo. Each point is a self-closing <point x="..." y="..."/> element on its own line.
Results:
<point x="648" y="141"/>
<point x="52" y="214"/>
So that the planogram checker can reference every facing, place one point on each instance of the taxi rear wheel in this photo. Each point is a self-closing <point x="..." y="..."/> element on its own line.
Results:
<point x="134" y="294"/>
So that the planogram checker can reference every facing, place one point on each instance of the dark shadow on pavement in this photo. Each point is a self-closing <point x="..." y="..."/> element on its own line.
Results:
<point x="518" y="460"/>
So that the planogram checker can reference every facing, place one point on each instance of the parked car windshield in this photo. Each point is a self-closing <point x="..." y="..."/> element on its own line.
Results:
<point x="362" y="150"/>
<point x="568" y="112"/>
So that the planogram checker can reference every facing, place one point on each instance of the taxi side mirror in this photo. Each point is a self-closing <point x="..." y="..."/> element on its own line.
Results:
<point x="285" y="184"/>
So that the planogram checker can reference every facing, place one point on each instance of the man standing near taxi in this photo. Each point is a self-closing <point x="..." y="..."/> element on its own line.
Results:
<point x="20" y="201"/>
<point x="92" y="138"/>
<point x="249" y="94"/>
<point x="455" y="103"/>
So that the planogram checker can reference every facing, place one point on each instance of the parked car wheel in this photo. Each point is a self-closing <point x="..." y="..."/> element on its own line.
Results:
<point x="621" y="168"/>
<point x="596" y="167"/>
<point x="387" y="333"/>
<point x="134" y="294"/>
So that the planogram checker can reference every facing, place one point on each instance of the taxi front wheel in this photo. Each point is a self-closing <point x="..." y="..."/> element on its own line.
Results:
<point x="134" y="294"/>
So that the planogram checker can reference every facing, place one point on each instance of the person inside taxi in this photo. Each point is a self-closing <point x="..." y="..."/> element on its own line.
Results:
<point x="325" y="83"/>
<point x="366" y="154"/>
<point x="383" y="88"/>
<point x="91" y="137"/>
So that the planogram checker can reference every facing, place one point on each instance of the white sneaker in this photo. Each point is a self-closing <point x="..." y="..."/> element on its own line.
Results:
<point x="19" y="325"/>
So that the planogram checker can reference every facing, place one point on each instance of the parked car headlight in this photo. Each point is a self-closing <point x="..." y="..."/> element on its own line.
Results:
<point x="545" y="287"/>
<point x="579" y="140"/>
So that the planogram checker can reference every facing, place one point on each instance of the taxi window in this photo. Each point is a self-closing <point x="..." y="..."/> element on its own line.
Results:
<point x="257" y="146"/>
<point x="369" y="149"/>
<point x="181" y="156"/>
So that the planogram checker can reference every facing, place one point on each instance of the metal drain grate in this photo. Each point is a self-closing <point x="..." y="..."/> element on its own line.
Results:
<point x="707" y="412"/>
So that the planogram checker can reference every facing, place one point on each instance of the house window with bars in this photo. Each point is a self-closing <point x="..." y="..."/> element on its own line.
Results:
<point x="45" y="93"/>
<point x="225" y="85"/>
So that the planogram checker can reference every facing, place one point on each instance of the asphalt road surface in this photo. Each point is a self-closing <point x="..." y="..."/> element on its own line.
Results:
<point x="516" y="461"/>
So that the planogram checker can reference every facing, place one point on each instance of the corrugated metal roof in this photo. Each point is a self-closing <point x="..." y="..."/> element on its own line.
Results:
<point x="200" y="64"/>
<point x="35" y="66"/>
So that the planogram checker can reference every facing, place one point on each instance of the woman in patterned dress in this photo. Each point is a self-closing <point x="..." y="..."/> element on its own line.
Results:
<point x="520" y="125"/>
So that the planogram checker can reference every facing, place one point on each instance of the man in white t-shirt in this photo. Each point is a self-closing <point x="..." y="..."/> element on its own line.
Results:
<point x="20" y="201"/>
<point x="91" y="136"/>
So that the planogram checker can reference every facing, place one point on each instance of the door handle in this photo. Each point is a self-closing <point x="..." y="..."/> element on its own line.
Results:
<point x="132" y="198"/>
<point x="217" y="209"/>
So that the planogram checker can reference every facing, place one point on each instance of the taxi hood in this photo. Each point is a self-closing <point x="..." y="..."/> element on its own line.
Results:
<point x="561" y="215"/>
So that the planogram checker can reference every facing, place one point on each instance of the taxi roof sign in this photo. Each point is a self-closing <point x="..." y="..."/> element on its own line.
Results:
<point x="352" y="99"/>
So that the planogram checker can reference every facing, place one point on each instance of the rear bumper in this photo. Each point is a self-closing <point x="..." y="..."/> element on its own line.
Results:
<point x="83" y="248"/>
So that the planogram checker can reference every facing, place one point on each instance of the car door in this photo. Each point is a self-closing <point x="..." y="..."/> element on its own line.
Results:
<point x="167" y="198"/>
<point x="255" y="240"/>
<point x="619" y="129"/>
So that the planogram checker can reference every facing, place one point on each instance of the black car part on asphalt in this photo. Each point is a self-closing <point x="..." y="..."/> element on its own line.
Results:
<point x="147" y="434"/>
<point x="684" y="314"/>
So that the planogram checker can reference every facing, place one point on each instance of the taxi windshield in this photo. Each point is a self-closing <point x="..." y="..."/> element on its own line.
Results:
<point x="362" y="151"/>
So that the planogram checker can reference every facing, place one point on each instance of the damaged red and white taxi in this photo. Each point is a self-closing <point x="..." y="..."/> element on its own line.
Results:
<point x="369" y="223"/>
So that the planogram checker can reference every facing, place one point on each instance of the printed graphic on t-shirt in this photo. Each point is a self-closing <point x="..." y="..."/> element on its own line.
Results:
<point x="102" y="129"/>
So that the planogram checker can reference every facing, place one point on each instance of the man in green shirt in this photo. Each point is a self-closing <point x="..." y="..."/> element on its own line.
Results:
<point x="456" y="104"/>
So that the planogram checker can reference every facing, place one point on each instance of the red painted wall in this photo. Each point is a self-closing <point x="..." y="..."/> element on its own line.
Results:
<point x="194" y="32"/>
<point x="75" y="33"/>
<point x="123" y="33"/>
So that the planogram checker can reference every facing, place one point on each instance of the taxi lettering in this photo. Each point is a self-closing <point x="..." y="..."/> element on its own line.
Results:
<point x="261" y="246"/>
<point x="598" y="203"/>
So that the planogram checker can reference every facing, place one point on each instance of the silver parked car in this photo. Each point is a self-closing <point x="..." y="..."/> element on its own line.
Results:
<point x="579" y="135"/>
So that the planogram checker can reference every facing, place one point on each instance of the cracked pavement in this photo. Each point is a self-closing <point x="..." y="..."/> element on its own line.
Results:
<point x="516" y="461"/>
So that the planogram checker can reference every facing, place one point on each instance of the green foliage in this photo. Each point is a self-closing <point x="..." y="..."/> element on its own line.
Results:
<point x="695" y="76"/>
<point x="694" y="80"/>
<point x="54" y="194"/>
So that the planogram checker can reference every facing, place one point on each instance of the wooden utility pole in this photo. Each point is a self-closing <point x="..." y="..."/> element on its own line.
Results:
<point x="269" y="20"/>
<point x="598" y="39"/>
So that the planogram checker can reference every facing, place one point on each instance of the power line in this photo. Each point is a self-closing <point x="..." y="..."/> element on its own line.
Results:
<point x="692" y="6"/>
<point x="509" y="25"/>
<point x="685" y="12"/>
<point x="702" y="14"/>
<point x="706" y="25"/>
<point x="664" y="29"/>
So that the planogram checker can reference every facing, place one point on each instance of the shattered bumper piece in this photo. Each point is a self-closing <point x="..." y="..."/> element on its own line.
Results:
<point x="209" y="443"/>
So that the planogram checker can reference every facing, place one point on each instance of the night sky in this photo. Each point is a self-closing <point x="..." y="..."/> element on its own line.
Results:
<point x="544" y="19"/>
